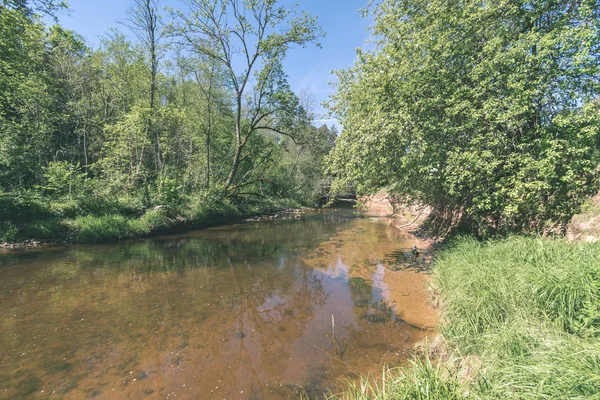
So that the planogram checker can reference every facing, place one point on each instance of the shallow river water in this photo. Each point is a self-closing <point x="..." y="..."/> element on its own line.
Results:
<point x="265" y="310"/>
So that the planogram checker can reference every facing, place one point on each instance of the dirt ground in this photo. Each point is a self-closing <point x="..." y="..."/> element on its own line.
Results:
<point x="585" y="227"/>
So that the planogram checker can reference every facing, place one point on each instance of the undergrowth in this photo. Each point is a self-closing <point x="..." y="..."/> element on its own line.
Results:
<point x="95" y="219"/>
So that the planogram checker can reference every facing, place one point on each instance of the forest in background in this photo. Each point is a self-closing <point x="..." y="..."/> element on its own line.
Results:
<point x="191" y="122"/>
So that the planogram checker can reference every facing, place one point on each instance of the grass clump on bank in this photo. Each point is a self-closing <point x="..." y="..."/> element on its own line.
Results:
<point x="521" y="319"/>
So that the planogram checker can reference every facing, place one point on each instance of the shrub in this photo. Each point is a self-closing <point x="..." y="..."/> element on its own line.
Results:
<point x="211" y="207"/>
<point x="155" y="219"/>
<point x="92" y="229"/>
<point x="23" y="206"/>
<point x="8" y="231"/>
<point x="64" y="179"/>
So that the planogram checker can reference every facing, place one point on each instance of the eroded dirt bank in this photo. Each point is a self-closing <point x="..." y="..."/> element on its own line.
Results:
<point x="585" y="227"/>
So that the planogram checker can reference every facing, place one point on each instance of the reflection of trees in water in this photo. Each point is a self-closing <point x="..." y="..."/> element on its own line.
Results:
<point x="276" y="307"/>
<point x="262" y="241"/>
<point x="237" y="300"/>
<point x="230" y="302"/>
<point x="361" y="291"/>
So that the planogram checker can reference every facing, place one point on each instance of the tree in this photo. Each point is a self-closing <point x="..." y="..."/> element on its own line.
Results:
<point x="481" y="109"/>
<point x="48" y="7"/>
<point x="144" y="20"/>
<point x="118" y="130"/>
<point x="255" y="34"/>
<point x="207" y="79"/>
<point x="24" y="121"/>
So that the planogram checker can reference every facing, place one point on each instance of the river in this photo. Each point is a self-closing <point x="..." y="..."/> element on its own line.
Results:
<point x="262" y="310"/>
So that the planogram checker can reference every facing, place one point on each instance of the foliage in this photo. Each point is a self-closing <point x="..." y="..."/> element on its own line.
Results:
<point x="103" y="136"/>
<point x="63" y="178"/>
<point x="27" y="215"/>
<point x="529" y="308"/>
<point x="424" y="379"/>
<point x="483" y="110"/>
<point x="261" y="33"/>
<point x="106" y="228"/>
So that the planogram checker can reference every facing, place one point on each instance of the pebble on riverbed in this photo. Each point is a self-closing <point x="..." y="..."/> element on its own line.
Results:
<point x="239" y="335"/>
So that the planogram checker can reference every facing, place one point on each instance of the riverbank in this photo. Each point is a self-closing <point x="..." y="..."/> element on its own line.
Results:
<point x="585" y="227"/>
<point x="520" y="319"/>
<point x="33" y="221"/>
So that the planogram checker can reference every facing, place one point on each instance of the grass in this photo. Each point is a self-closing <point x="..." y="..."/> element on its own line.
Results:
<point x="97" y="219"/>
<point x="423" y="379"/>
<point x="521" y="320"/>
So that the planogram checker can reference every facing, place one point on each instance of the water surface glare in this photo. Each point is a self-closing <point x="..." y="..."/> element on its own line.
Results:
<point x="267" y="310"/>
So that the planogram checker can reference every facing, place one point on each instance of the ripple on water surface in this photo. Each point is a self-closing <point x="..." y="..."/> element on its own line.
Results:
<point x="265" y="310"/>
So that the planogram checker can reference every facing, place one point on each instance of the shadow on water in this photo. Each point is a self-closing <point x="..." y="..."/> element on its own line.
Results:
<point x="268" y="310"/>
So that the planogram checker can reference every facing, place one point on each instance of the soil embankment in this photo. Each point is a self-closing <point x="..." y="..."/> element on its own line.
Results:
<point x="585" y="227"/>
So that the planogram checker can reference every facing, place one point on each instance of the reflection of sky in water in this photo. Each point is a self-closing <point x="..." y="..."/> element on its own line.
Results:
<point x="232" y="312"/>
<point x="379" y="285"/>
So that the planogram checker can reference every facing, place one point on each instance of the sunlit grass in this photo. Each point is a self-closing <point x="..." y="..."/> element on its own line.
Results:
<point x="423" y="379"/>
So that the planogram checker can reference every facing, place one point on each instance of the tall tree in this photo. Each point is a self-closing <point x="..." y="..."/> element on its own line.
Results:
<point x="207" y="83"/>
<point x="249" y="38"/>
<point x="481" y="109"/>
<point x="144" y="20"/>
<point x="25" y="130"/>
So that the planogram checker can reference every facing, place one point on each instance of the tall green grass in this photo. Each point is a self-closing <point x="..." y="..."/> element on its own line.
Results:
<point x="423" y="379"/>
<point x="521" y="319"/>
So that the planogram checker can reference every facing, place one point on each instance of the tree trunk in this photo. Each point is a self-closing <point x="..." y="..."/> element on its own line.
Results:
<point x="238" y="138"/>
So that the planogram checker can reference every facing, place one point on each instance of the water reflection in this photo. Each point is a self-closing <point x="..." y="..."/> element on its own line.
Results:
<point x="238" y="312"/>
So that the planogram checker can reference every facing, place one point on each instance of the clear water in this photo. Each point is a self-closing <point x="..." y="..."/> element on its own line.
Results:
<point x="266" y="310"/>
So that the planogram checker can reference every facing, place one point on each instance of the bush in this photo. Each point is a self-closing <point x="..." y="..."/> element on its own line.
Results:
<point x="23" y="206"/>
<point x="212" y="207"/>
<point x="92" y="229"/>
<point x="64" y="179"/>
<point x="8" y="231"/>
<point x="155" y="220"/>
<point x="97" y="205"/>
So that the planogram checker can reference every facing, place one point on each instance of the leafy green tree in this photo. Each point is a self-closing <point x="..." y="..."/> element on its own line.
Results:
<point x="145" y="21"/>
<point x="27" y="7"/>
<point x="115" y="131"/>
<point x="63" y="178"/>
<point x="24" y="117"/>
<point x="482" y="109"/>
<point x="261" y="32"/>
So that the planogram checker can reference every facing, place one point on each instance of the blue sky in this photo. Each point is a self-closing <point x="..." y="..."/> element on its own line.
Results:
<point x="307" y="68"/>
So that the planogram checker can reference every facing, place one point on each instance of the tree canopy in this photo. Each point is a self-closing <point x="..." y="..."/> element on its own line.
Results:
<point x="199" y="109"/>
<point x="484" y="110"/>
